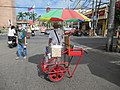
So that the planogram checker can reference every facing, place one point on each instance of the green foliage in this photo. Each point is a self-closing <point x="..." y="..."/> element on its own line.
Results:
<point x="32" y="16"/>
<point x="20" y="16"/>
<point x="117" y="17"/>
<point x="26" y="15"/>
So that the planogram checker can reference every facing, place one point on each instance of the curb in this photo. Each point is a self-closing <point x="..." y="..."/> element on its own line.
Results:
<point x="99" y="49"/>
<point x="1" y="34"/>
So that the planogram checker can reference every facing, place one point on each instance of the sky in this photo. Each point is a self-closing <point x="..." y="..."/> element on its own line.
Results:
<point x="52" y="3"/>
<point x="40" y="4"/>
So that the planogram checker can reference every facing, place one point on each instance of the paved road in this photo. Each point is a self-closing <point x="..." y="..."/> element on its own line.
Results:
<point x="98" y="70"/>
<point x="92" y="42"/>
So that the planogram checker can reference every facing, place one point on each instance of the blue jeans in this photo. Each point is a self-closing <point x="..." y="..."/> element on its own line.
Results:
<point x="21" y="49"/>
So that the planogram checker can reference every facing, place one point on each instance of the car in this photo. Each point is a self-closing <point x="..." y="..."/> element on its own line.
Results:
<point x="43" y="29"/>
<point x="69" y="30"/>
<point x="47" y="32"/>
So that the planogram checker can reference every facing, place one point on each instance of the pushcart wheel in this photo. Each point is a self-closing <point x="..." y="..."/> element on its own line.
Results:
<point x="56" y="73"/>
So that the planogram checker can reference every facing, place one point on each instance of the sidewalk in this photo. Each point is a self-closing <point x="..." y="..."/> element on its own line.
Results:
<point x="102" y="64"/>
<point x="3" y="34"/>
<point x="101" y="49"/>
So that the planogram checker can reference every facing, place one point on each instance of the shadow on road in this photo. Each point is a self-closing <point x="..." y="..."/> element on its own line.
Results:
<point x="106" y="67"/>
<point x="36" y="59"/>
<point x="103" y="48"/>
<point x="41" y="74"/>
<point x="101" y="65"/>
<point x="106" y="74"/>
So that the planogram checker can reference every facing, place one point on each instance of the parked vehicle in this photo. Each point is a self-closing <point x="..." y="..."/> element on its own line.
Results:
<point x="33" y="33"/>
<point x="47" y="32"/>
<point x="43" y="29"/>
<point x="81" y="33"/>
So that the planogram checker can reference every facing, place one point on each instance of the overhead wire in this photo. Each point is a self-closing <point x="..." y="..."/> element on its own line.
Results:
<point x="77" y="4"/>
<point x="55" y="8"/>
<point x="34" y="8"/>
<point x="88" y="4"/>
<point x="52" y="7"/>
<point x="76" y="1"/>
<point x="100" y="2"/>
<point x="84" y="3"/>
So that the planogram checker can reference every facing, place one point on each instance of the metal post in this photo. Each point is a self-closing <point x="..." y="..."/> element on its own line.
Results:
<point x="95" y="21"/>
<point x="97" y="14"/>
<point x="92" y="20"/>
<point x="110" y="31"/>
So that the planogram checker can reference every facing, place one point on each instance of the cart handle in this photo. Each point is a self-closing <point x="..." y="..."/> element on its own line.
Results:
<point x="85" y="51"/>
<point x="65" y="43"/>
<point x="78" y="49"/>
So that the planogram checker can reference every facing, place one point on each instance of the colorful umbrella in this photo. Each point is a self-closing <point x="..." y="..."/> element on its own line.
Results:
<point x="85" y="17"/>
<point x="61" y="15"/>
<point x="78" y="20"/>
<point x="74" y="20"/>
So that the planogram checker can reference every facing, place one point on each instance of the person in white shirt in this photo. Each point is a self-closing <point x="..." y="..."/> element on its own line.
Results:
<point x="56" y="35"/>
<point x="11" y="33"/>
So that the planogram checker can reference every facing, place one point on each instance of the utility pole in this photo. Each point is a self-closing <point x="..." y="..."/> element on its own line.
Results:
<point x="96" y="15"/>
<point x="110" y="31"/>
<point x="92" y="20"/>
<point x="95" y="21"/>
<point x="68" y="4"/>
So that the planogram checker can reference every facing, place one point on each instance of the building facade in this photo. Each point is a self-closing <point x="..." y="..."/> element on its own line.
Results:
<point x="7" y="13"/>
<point x="102" y="20"/>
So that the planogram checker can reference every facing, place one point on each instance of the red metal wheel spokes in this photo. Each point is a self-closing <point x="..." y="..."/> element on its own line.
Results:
<point x="57" y="73"/>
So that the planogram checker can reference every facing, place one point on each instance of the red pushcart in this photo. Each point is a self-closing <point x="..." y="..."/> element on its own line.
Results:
<point x="56" y="68"/>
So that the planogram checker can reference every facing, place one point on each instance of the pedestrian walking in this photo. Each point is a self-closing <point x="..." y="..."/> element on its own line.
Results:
<point x="22" y="43"/>
<point x="11" y="33"/>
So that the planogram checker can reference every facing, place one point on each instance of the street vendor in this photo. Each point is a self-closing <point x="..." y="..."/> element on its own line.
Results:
<point x="56" y="35"/>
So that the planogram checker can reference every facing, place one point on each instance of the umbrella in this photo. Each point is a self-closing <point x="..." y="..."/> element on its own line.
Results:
<point x="61" y="15"/>
<point x="85" y="17"/>
<point x="74" y="20"/>
<point x="78" y="20"/>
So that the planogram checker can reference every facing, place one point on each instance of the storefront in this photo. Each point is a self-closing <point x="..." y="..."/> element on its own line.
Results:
<point x="102" y="21"/>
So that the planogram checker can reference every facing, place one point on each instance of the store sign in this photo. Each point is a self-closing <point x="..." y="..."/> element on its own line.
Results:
<point x="101" y="13"/>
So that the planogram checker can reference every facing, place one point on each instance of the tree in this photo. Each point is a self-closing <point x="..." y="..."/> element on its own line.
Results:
<point x="32" y="16"/>
<point x="27" y="14"/>
<point x="20" y="16"/>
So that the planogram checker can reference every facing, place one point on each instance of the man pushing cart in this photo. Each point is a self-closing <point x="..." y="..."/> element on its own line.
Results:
<point x="54" y="66"/>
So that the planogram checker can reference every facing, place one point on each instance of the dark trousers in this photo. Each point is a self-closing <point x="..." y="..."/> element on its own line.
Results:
<point x="10" y="38"/>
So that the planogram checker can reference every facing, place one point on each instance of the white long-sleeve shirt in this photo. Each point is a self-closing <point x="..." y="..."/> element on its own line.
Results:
<point x="11" y="32"/>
